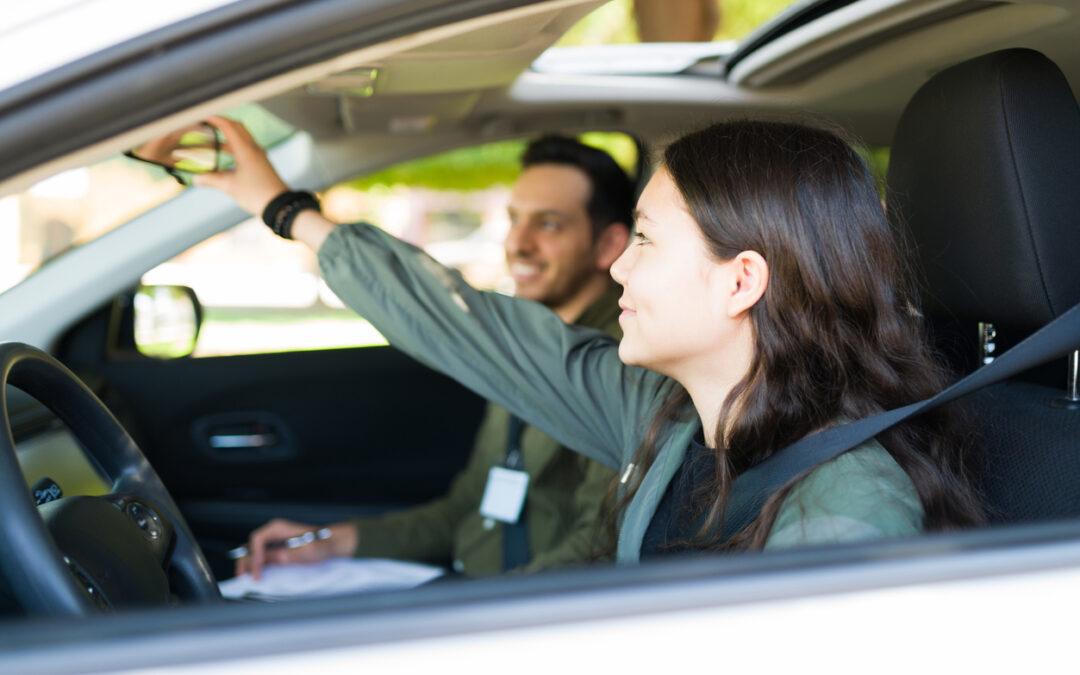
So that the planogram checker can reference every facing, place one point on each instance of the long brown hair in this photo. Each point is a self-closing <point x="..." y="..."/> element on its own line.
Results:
<point x="837" y="332"/>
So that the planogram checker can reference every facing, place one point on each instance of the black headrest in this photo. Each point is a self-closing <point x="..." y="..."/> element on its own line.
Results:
<point x="985" y="174"/>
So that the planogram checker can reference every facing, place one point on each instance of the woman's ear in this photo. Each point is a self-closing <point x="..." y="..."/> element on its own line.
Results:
<point x="747" y="283"/>
<point x="610" y="245"/>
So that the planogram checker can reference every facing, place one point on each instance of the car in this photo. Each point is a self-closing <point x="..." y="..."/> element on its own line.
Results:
<point x="166" y="304"/>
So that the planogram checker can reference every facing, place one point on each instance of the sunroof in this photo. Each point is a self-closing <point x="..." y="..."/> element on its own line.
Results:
<point x="633" y="21"/>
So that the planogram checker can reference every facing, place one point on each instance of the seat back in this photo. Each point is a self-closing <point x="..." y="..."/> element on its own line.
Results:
<point x="983" y="176"/>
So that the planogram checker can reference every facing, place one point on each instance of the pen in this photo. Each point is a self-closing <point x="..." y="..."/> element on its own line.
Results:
<point x="302" y="539"/>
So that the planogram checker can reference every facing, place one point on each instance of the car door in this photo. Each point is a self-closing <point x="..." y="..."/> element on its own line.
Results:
<point x="315" y="436"/>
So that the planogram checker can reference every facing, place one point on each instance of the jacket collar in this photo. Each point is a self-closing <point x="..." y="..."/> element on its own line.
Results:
<point x="640" y="510"/>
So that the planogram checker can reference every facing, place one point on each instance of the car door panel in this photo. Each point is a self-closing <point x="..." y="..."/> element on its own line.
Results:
<point x="311" y="435"/>
<point x="336" y="426"/>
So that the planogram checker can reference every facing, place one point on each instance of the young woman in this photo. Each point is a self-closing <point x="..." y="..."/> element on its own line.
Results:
<point x="763" y="299"/>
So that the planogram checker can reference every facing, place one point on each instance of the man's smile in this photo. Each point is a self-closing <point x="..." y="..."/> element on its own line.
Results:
<point x="524" y="272"/>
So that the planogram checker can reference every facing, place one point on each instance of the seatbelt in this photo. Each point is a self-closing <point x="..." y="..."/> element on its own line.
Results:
<point x="515" y="535"/>
<point x="753" y="487"/>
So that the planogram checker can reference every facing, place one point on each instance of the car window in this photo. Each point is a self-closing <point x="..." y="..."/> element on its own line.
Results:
<point x="79" y="205"/>
<point x="263" y="294"/>
<point x="631" y="21"/>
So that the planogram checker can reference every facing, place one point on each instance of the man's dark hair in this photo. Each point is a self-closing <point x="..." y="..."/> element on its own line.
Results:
<point x="612" y="196"/>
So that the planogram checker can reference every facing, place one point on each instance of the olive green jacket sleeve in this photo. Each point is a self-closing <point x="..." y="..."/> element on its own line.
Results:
<point x="565" y="380"/>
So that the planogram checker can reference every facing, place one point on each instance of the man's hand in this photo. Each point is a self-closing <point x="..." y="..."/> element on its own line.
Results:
<point x="341" y="544"/>
<point x="253" y="182"/>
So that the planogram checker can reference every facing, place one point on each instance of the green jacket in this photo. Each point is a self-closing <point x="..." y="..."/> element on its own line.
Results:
<point x="562" y="506"/>
<point x="569" y="382"/>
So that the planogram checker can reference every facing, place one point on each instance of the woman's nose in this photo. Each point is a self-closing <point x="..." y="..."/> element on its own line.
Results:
<point x="622" y="265"/>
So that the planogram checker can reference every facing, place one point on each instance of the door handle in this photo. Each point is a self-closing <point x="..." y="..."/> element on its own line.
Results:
<point x="244" y="437"/>
<point x="240" y="441"/>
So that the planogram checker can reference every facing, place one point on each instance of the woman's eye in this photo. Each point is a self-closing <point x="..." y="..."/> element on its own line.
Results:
<point x="640" y="239"/>
<point x="550" y="224"/>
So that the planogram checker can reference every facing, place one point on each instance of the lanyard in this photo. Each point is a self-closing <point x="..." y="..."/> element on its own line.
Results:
<point x="515" y="535"/>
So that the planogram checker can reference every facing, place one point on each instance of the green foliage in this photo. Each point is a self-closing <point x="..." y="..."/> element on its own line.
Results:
<point x="612" y="23"/>
<point x="878" y="159"/>
<point x="738" y="18"/>
<point x="622" y="148"/>
<point x="482" y="166"/>
<point x="473" y="168"/>
<point x="615" y="23"/>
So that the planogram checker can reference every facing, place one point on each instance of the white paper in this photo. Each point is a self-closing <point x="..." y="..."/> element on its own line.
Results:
<point x="330" y="577"/>
<point x="504" y="495"/>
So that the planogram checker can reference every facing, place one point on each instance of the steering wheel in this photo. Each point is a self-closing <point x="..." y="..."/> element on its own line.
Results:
<point x="79" y="555"/>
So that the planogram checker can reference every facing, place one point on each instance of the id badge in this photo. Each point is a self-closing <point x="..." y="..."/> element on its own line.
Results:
<point x="504" y="495"/>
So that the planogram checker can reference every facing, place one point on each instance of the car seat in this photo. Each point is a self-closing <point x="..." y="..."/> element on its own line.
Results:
<point x="984" y="179"/>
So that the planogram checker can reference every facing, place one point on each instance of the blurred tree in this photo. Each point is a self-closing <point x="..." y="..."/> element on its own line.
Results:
<point x="685" y="21"/>
<point x="628" y="21"/>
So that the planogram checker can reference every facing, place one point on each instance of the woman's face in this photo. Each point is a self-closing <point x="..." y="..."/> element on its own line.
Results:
<point x="674" y="314"/>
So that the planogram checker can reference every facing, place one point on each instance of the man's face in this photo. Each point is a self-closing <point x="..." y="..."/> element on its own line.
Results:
<point x="549" y="249"/>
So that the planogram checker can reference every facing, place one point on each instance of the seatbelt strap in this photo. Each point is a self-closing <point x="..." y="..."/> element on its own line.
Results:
<point x="515" y="535"/>
<point x="753" y="487"/>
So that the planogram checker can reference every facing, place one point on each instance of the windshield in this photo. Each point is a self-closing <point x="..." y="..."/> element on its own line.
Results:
<point x="79" y="205"/>
<point x="633" y="21"/>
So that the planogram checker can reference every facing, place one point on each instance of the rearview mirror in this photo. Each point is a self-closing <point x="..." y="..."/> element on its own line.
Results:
<point x="191" y="150"/>
<point x="167" y="321"/>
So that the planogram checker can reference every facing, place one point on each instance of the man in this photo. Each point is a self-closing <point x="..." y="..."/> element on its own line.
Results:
<point x="523" y="502"/>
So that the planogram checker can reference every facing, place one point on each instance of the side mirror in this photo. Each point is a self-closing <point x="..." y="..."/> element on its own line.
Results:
<point x="167" y="320"/>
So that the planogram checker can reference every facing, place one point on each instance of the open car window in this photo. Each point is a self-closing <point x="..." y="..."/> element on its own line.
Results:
<point x="261" y="294"/>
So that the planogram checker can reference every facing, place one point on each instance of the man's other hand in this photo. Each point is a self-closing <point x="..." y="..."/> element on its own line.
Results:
<point x="341" y="544"/>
